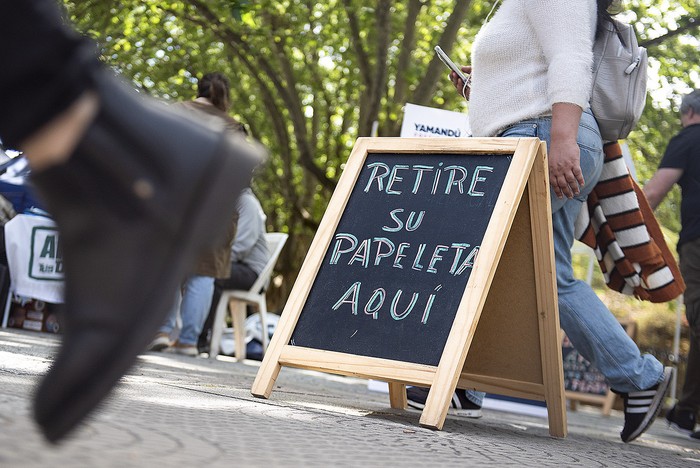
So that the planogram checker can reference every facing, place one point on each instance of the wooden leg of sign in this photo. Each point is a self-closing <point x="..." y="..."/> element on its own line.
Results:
<point x="270" y="367"/>
<point x="547" y="303"/>
<point x="435" y="410"/>
<point x="451" y="363"/>
<point x="237" y="309"/>
<point x="397" y="395"/>
<point x="267" y="374"/>
<point x="467" y="318"/>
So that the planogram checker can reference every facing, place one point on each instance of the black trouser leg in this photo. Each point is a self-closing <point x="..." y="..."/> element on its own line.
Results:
<point x="690" y="269"/>
<point x="242" y="277"/>
<point x="44" y="66"/>
<point x="690" y="397"/>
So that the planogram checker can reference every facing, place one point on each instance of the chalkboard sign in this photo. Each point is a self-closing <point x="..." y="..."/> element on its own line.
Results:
<point x="402" y="266"/>
<point x="394" y="273"/>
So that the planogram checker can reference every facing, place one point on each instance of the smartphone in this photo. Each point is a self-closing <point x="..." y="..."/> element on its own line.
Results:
<point x="450" y="64"/>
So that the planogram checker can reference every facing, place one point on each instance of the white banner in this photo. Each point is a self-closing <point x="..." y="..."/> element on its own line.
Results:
<point x="34" y="258"/>
<point x="421" y="121"/>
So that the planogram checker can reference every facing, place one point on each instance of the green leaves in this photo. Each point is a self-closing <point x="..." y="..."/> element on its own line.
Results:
<point x="238" y="9"/>
<point x="308" y="78"/>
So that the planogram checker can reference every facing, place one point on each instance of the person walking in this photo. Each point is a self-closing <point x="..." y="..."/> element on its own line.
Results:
<point x="531" y="77"/>
<point x="681" y="165"/>
<point x="249" y="255"/>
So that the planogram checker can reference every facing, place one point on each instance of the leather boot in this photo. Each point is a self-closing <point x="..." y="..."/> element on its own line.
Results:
<point x="144" y="192"/>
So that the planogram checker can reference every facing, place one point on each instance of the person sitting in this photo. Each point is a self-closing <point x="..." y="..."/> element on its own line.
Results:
<point x="193" y="300"/>
<point x="249" y="255"/>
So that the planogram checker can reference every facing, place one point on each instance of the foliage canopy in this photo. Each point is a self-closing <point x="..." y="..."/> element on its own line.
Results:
<point x="308" y="78"/>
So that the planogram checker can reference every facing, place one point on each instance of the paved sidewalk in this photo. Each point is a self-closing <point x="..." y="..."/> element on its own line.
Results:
<point x="178" y="411"/>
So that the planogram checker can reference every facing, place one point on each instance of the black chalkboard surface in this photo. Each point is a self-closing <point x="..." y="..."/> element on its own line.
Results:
<point x="397" y="265"/>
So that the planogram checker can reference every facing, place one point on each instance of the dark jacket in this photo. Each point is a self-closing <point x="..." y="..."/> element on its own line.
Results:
<point x="216" y="261"/>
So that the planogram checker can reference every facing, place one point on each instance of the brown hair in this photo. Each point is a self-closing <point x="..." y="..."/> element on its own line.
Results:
<point x="605" y="15"/>
<point x="215" y="87"/>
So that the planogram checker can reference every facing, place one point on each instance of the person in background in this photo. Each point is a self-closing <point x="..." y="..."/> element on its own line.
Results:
<point x="681" y="165"/>
<point x="194" y="299"/>
<point x="133" y="207"/>
<point x="531" y="77"/>
<point x="249" y="255"/>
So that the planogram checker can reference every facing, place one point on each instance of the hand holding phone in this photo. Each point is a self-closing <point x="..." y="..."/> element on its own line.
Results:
<point x="451" y="65"/>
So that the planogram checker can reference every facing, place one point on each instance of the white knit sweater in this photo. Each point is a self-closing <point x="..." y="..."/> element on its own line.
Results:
<point x="532" y="54"/>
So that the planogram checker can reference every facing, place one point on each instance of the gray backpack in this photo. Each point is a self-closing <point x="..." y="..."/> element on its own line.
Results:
<point x="619" y="81"/>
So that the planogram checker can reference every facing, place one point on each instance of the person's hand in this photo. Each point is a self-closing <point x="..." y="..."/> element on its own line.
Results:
<point x="565" y="175"/>
<point x="459" y="84"/>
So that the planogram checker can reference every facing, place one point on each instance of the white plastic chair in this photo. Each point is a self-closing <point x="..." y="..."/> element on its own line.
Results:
<point x="235" y="301"/>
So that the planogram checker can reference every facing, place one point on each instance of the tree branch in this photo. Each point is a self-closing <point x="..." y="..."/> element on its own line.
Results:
<point x="362" y="58"/>
<point x="407" y="44"/>
<point x="424" y="92"/>
<point x="378" y="83"/>
<point x="689" y="25"/>
<point x="263" y="69"/>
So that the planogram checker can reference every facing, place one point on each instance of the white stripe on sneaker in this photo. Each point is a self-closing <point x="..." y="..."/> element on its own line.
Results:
<point x="639" y="402"/>
<point x="639" y="416"/>
<point x="645" y="393"/>
<point x="641" y="409"/>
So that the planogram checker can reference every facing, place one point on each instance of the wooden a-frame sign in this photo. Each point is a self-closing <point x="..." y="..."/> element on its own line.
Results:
<point x="502" y="333"/>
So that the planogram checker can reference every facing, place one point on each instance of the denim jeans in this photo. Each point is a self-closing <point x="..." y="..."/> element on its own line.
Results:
<point x="193" y="308"/>
<point x="591" y="327"/>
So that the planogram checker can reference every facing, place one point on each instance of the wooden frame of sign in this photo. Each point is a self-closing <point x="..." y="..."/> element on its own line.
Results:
<point x="503" y="334"/>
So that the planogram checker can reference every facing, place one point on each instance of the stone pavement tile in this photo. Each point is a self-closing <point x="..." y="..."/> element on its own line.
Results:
<point x="177" y="411"/>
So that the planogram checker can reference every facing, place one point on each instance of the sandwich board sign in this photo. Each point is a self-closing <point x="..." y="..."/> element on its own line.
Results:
<point x="432" y="266"/>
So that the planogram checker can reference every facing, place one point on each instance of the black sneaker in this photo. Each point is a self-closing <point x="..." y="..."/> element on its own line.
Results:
<point x="695" y="435"/>
<point x="681" y="420"/>
<point x="641" y="408"/>
<point x="461" y="405"/>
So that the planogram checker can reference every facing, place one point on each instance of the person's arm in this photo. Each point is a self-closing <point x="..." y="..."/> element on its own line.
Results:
<point x="565" y="176"/>
<point x="660" y="184"/>
<point x="248" y="230"/>
<point x="459" y="84"/>
<point x="563" y="29"/>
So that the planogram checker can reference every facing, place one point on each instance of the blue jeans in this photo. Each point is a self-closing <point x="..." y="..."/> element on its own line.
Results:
<point x="588" y="323"/>
<point x="194" y="307"/>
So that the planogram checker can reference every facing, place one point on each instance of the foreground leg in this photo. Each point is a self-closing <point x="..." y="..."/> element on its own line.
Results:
<point x="45" y="65"/>
<point x="134" y="207"/>
<point x="196" y="300"/>
<point x="135" y="190"/>
<point x="598" y="336"/>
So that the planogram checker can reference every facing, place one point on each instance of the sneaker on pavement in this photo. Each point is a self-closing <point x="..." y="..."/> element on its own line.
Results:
<point x="681" y="420"/>
<point x="641" y="408"/>
<point x="186" y="349"/>
<point x="160" y="342"/>
<point x="461" y="405"/>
